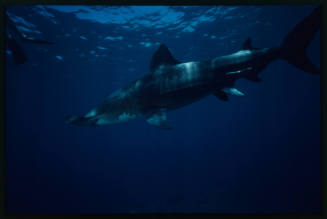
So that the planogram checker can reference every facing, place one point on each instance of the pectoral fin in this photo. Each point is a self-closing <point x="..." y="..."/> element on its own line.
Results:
<point x="233" y="91"/>
<point x="159" y="119"/>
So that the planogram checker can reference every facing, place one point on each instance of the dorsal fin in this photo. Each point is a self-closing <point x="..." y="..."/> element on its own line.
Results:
<point x="162" y="57"/>
<point x="247" y="44"/>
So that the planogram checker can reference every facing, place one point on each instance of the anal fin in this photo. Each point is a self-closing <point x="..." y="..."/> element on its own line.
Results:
<point x="253" y="78"/>
<point x="233" y="91"/>
<point x="221" y="95"/>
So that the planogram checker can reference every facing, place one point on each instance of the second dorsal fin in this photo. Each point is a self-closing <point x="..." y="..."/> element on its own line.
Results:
<point x="162" y="57"/>
<point x="247" y="44"/>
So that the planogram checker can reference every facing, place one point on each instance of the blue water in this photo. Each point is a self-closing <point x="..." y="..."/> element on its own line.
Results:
<point x="254" y="154"/>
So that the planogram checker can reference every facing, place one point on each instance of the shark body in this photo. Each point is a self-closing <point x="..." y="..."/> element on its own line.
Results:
<point x="171" y="84"/>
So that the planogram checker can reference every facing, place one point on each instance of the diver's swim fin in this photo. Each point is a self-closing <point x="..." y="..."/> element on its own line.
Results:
<point x="17" y="51"/>
<point x="37" y="41"/>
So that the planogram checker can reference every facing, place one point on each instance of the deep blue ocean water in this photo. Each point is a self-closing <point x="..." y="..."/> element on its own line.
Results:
<point x="254" y="154"/>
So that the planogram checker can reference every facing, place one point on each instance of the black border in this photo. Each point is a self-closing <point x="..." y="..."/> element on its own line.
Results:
<point x="323" y="79"/>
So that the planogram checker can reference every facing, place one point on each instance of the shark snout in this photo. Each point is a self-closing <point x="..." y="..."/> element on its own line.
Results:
<point x="81" y="120"/>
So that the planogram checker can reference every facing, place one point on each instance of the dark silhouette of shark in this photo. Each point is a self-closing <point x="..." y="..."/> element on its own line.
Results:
<point x="15" y="40"/>
<point x="171" y="84"/>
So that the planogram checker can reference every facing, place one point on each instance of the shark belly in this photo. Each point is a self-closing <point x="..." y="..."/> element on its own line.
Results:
<point x="188" y="94"/>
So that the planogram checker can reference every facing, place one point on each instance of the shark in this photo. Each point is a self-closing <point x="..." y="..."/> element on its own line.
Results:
<point x="171" y="84"/>
<point x="15" y="41"/>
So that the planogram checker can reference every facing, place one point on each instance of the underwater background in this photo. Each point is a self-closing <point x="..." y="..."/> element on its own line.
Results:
<point x="254" y="154"/>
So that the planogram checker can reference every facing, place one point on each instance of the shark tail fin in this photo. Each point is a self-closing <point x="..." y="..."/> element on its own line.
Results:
<point x="293" y="48"/>
<point x="81" y="120"/>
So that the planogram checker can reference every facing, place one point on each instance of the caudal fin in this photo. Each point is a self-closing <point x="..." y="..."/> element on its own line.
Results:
<point x="293" y="48"/>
